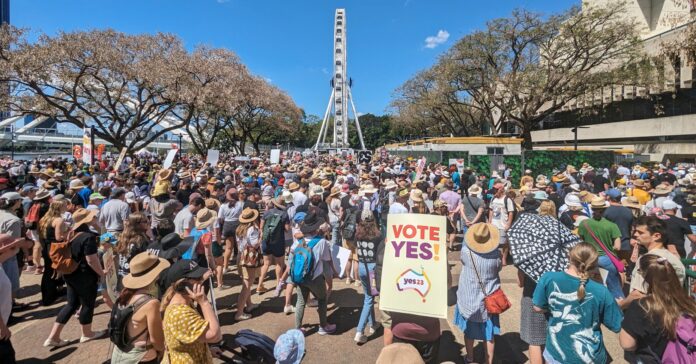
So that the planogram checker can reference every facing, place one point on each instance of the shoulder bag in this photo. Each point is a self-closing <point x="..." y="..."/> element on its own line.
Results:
<point x="496" y="302"/>
<point x="614" y="260"/>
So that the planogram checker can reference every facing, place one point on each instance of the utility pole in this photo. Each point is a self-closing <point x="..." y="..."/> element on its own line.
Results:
<point x="94" y="147"/>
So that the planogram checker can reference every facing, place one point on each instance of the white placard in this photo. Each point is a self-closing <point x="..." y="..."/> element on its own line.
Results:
<point x="110" y="276"/>
<point x="170" y="158"/>
<point x="275" y="156"/>
<point x="119" y="161"/>
<point x="213" y="156"/>
<point x="340" y="256"/>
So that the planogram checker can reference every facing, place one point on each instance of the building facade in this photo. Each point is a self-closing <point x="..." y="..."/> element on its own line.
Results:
<point x="658" y="121"/>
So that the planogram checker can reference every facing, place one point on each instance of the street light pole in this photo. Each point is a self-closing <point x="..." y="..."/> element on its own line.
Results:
<point x="575" y="135"/>
<point x="180" y="137"/>
<point x="14" y="137"/>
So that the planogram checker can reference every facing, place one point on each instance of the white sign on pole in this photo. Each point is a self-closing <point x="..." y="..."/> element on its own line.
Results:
<point x="170" y="158"/>
<point x="119" y="161"/>
<point x="213" y="156"/>
<point x="87" y="145"/>
<point x="275" y="156"/>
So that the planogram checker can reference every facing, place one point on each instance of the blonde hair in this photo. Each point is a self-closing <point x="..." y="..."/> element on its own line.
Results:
<point x="547" y="208"/>
<point x="55" y="210"/>
<point x="584" y="258"/>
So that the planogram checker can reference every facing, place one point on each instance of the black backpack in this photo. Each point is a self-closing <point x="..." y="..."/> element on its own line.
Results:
<point x="251" y="347"/>
<point x="118" y="323"/>
<point x="350" y="223"/>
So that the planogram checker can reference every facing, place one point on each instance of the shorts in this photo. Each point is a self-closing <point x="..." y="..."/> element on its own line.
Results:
<point x="228" y="229"/>
<point x="503" y="236"/>
<point x="248" y="272"/>
<point x="350" y="245"/>
<point x="217" y="250"/>
<point x="275" y="249"/>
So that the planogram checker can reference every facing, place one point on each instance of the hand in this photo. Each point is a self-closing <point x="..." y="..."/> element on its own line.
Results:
<point x="198" y="293"/>
<point x="208" y="274"/>
<point x="5" y="332"/>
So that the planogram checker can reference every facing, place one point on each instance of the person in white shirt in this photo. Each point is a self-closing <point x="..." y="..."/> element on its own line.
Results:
<point x="399" y="206"/>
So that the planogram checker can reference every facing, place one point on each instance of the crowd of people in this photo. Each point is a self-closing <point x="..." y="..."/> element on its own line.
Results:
<point x="151" y="243"/>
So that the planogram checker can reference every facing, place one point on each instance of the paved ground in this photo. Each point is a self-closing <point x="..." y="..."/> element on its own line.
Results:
<point x="344" y="309"/>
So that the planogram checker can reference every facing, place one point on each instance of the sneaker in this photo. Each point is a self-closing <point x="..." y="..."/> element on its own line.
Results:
<point x="348" y="281"/>
<point x="327" y="330"/>
<point x="358" y="284"/>
<point x="360" y="338"/>
<point x="289" y="309"/>
<point x="49" y="343"/>
<point x="97" y="335"/>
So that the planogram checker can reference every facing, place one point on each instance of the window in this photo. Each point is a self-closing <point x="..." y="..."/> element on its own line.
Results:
<point x="494" y="150"/>
<point x="338" y="75"/>
<point x="339" y="23"/>
<point x="339" y="31"/>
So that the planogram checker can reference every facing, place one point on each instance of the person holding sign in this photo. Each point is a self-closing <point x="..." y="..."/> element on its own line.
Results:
<point x="481" y="264"/>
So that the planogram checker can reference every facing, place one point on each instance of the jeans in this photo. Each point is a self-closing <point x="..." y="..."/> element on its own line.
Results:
<point x="12" y="271"/>
<point x="318" y="288"/>
<point x="613" y="279"/>
<point x="367" y="315"/>
<point x="336" y="234"/>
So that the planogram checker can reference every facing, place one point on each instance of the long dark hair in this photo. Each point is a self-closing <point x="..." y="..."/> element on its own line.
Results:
<point x="367" y="230"/>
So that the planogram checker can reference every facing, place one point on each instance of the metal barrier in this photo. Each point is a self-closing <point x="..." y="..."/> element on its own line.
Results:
<point x="690" y="278"/>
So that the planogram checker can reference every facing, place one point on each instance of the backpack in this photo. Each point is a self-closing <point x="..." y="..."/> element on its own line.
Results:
<point x="350" y="223"/>
<point x="269" y="227"/>
<point x="118" y="323"/>
<point x="683" y="349"/>
<point x="60" y="253"/>
<point x="302" y="263"/>
<point x="32" y="217"/>
<point x="253" y="347"/>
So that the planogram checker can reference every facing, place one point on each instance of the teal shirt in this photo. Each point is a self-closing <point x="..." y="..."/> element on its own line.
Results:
<point x="574" y="334"/>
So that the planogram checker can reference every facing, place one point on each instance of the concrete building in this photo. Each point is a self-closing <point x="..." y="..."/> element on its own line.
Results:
<point x="658" y="121"/>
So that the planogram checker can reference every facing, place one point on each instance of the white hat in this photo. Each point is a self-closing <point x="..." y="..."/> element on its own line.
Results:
<point x="575" y="187"/>
<point x="670" y="205"/>
<point x="130" y="197"/>
<point x="572" y="200"/>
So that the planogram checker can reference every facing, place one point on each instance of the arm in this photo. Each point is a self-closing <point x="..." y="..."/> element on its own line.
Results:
<point x="617" y="244"/>
<point x="212" y="334"/>
<point x="627" y="341"/>
<point x="509" y="221"/>
<point x="520" y="278"/>
<point x="634" y="295"/>
<point x="479" y="215"/>
<point x="93" y="262"/>
<point x="58" y="227"/>
<point x="154" y="325"/>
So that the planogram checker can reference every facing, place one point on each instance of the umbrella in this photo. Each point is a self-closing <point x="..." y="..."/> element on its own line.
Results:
<point x="540" y="244"/>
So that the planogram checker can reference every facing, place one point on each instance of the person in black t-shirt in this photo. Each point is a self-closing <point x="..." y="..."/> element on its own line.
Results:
<point x="677" y="229"/>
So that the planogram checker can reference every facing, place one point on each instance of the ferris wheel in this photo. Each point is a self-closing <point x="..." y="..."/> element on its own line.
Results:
<point x="336" y="114"/>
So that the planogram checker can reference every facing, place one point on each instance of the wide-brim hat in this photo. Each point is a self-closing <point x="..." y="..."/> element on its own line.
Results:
<point x="367" y="188"/>
<point x="662" y="190"/>
<point x="482" y="238"/>
<point x="171" y="246"/>
<point x="312" y="222"/>
<point x="390" y="184"/>
<point x="279" y="202"/>
<point x="475" y="190"/>
<point x="292" y="169"/>
<point x="294" y="186"/>
<point x="335" y="191"/>
<point x="76" y="184"/>
<point x="212" y="203"/>
<point x="248" y="215"/>
<point x="632" y="203"/>
<point x="639" y="183"/>
<point x="164" y="174"/>
<point x="205" y="218"/>
<point x="325" y="184"/>
<point x="82" y="216"/>
<point x="42" y="194"/>
<point x="416" y="195"/>
<point x="599" y="203"/>
<point x="145" y="268"/>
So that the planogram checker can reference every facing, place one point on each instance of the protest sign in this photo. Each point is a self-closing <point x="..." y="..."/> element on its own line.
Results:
<point x="420" y="165"/>
<point x="213" y="156"/>
<point x="414" y="276"/>
<point x="110" y="274"/>
<point x="87" y="145"/>
<point x="340" y="256"/>
<point x="275" y="156"/>
<point x="120" y="159"/>
<point x="170" y="158"/>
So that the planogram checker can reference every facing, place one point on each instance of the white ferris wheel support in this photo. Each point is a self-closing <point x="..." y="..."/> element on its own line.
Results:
<point x="341" y="95"/>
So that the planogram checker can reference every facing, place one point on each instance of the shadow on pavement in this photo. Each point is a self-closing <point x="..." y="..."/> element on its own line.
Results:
<point x="57" y="356"/>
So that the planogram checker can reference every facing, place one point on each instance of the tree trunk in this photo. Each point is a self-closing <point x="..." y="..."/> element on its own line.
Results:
<point x="527" y="137"/>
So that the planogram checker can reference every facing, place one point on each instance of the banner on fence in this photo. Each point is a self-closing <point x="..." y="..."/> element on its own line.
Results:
<point x="414" y="276"/>
<point x="87" y="145"/>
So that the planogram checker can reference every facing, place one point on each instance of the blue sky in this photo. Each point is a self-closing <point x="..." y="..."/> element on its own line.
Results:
<point x="290" y="42"/>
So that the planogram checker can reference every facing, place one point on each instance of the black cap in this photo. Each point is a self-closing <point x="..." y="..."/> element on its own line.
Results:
<point x="171" y="246"/>
<point x="184" y="268"/>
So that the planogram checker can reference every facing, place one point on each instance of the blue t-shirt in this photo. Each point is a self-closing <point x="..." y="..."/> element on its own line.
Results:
<point x="574" y="334"/>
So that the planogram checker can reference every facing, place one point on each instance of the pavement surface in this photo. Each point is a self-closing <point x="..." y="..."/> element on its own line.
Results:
<point x="344" y="309"/>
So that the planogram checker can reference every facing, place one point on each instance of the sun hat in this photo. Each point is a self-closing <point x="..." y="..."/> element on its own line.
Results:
<point x="279" y="202"/>
<point x="145" y="268"/>
<point x="287" y="196"/>
<point x="541" y="184"/>
<point x="171" y="246"/>
<point x="662" y="190"/>
<point x="130" y="197"/>
<point x="670" y="205"/>
<point x="325" y="184"/>
<point x="42" y="194"/>
<point x="445" y="174"/>
<point x="439" y="204"/>
<point x="290" y="347"/>
<point x="390" y="184"/>
<point x="399" y="353"/>
<point x="599" y="203"/>
<point x="575" y="187"/>
<point x="212" y="204"/>
<point x="482" y="238"/>
<point x="76" y="184"/>
<point x="205" y="218"/>
<point x="475" y="190"/>
<point x="316" y="190"/>
<point x="367" y="188"/>
<point x="164" y="174"/>
<point x="335" y="191"/>
<point x="529" y="203"/>
<point x="248" y="215"/>
<point x="540" y="195"/>
<point x="402" y="192"/>
<point x="82" y="216"/>
<point x="639" y="183"/>
<point x="416" y="195"/>
<point x="312" y="222"/>
<point x="572" y="200"/>
<point x="96" y="196"/>
<point x="293" y="186"/>
<point x="183" y="268"/>
<point x="632" y="202"/>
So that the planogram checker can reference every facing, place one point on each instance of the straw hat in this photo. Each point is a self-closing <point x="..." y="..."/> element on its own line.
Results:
<point x="599" y="203"/>
<point x="662" y="190"/>
<point x="212" y="204"/>
<point x="367" y="188"/>
<point x="326" y="184"/>
<point x="482" y="238"/>
<point x="416" y="195"/>
<point x="632" y="202"/>
<point x="335" y="191"/>
<point x="278" y="202"/>
<point x="638" y="183"/>
<point x="403" y="192"/>
<point x="164" y="174"/>
<point x="76" y="184"/>
<point x="294" y="186"/>
<point x="145" y="268"/>
<point x="82" y="216"/>
<point x="42" y="194"/>
<point x="390" y="185"/>
<point x="205" y="218"/>
<point x="399" y="353"/>
<point x="248" y="215"/>
<point x="475" y="190"/>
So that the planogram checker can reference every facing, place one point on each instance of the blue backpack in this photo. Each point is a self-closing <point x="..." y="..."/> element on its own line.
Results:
<point x="303" y="261"/>
<point x="252" y="347"/>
